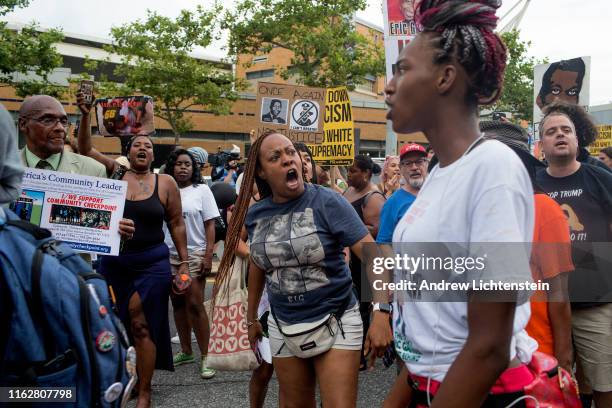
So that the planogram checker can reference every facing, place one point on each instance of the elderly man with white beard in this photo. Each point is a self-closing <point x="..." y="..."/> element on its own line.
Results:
<point x="413" y="168"/>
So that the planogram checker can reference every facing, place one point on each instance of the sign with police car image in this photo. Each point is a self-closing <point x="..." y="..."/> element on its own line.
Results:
<point x="320" y="118"/>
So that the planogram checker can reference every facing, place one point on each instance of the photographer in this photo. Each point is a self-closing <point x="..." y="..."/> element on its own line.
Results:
<point x="225" y="166"/>
<point x="231" y="172"/>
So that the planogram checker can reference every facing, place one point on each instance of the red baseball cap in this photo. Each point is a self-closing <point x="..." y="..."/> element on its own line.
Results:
<point x="412" y="147"/>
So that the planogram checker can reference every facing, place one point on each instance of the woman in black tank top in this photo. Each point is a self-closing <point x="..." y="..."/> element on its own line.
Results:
<point x="140" y="276"/>
<point x="367" y="201"/>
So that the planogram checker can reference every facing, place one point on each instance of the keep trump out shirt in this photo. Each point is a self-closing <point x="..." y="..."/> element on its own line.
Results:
<point x="586" y="200"/>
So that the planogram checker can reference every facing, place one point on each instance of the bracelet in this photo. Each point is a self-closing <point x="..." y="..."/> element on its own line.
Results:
<point x="252" y="322"/>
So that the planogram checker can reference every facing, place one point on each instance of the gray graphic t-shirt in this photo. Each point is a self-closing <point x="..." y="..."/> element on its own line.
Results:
<point x="299" y="245"/>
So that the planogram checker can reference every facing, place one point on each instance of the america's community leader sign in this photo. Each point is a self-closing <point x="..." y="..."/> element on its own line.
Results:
<point x="318" y="117"/>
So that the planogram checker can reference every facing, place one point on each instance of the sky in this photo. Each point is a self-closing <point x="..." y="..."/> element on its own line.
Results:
<point x="557" y="29"/>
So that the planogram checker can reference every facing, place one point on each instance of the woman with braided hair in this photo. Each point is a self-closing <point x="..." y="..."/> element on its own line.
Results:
<point x="471" y="352"/>
<point x="297" y="233"/>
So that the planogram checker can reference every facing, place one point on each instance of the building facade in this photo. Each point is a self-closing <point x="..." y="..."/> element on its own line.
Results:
<point x="215" y="132"/>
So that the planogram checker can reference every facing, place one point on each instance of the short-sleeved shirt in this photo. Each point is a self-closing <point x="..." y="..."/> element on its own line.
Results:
<point x="393" y="211"/>
<point x="586" y="200"/>
<point x="199" y="206"/>
<point x="551" y="255"/>
<point x="299" y="244"/>
<point x="483" y="197"/>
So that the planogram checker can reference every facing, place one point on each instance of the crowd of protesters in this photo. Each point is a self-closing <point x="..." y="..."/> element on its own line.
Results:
<point x="309" y="235"/>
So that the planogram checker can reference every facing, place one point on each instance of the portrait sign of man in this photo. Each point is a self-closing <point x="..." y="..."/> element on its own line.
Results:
<point x="562" y="81"/>
<point x="275" y="112"/>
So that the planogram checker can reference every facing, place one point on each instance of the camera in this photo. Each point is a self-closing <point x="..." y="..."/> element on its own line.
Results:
<point x="222" y="159"/>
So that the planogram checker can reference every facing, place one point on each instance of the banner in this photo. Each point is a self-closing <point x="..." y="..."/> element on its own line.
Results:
<point x="566" y="80"/>
<point x="320" y="118"/>
<point x="604" y="139"/>
<point x="82" y="211"/>
<point x="400" y="29"/>
<point x="125" y="116"/>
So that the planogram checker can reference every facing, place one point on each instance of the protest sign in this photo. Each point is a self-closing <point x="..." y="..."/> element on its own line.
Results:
<point x="400" y="29"/>
<point x="320" y="118"/>
<point x="82" y="211"/>
<point x="125" y="116"/>
<point x="338" y="145"/>
<point x="294" y="111"/>
<point x="603" y="140"/>
<point x="566" y="80"/>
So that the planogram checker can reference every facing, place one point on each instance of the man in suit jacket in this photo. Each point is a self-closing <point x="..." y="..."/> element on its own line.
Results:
<point x="43" y="121"/>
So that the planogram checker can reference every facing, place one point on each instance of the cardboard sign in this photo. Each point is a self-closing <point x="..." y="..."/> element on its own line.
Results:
<point x="125" y="116"/>
<point x="82" y="211"/>
<point x="567" y="80"/>
<point x="294" y="111"/>
<point x="320" y="118"/>
<point x="400" y="29"/>
<point x="603" y="140"/>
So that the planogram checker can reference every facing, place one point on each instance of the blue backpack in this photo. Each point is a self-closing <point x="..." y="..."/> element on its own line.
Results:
<point x="62" y="330"/>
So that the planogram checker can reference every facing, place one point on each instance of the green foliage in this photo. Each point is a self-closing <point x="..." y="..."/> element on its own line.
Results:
<point x="25" y="52"/>
<point x="156" y="61"/>
<point x="517" y="95"/>
<point x="327" y="49"/>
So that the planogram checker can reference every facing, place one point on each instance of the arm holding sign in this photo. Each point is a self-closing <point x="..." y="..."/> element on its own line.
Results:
<point x="84" y="137"/>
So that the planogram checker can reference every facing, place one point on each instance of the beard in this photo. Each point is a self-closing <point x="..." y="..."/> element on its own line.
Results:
<point x="416" y="183"/>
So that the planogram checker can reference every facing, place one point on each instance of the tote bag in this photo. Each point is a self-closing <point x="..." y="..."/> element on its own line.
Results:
<point x="229" y="348"/>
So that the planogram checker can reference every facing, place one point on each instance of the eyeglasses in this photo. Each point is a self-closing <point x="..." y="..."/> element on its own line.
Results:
<point x="49" y="121"/>
<point x="409" y="163"/>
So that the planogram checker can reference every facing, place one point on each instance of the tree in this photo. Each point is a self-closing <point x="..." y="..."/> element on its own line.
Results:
<point x="517" y="96"/>
<point x="27" y="51"/>
<point x="327" y="49"/>
<point x="156" y="61"/>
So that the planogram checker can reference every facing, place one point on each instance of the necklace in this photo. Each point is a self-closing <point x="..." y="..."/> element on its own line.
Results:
<point x="144" y="188"/>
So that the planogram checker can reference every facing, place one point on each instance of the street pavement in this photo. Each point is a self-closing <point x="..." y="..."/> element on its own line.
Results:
<point x="185" y="388"/>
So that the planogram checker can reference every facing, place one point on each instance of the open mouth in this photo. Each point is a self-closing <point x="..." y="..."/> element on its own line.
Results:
<point x="560" y="143"/>
<point x="141" y="155"/>
<point x="292" y="178"/>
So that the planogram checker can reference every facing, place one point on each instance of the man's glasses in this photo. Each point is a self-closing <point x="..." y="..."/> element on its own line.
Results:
<point x="49" y="121"/>
<point x="409" y="163"/>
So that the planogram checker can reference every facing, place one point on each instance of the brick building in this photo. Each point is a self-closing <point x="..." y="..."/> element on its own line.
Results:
<point x="213" y="132"/>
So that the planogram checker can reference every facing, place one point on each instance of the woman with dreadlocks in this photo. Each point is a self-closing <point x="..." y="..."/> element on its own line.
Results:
<point x="297" y="233"/>
<point x="470" y="352"/>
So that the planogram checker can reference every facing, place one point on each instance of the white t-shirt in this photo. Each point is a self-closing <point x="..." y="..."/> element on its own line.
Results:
<point x="198" y="206"/>
<point x="485" y="196"/>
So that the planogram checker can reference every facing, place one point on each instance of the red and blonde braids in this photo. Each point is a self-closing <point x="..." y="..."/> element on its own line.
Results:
<point x="238" y="216"/>
<point x="465" y="33"/>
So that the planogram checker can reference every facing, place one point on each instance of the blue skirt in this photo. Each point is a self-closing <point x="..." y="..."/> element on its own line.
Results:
<point x="147" y="272"/>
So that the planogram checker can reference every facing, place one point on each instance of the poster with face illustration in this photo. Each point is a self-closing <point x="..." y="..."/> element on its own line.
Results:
<point x="400" y="29"/>
<point x="565" y="80"/>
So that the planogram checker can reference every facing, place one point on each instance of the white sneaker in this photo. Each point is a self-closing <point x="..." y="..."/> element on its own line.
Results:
<point x="176" y="340"/>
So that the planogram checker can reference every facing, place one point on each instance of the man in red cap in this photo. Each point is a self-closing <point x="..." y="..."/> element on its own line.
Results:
<point x="413" y="168"/>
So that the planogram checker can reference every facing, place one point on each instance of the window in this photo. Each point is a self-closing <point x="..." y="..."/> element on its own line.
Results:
<point x="368" y="85"/>
<point x="260" y="59"/>
<point x="266" y="73"/>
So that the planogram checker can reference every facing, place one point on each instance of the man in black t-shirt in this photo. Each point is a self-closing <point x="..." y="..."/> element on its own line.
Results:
<point x="584" y="192"/>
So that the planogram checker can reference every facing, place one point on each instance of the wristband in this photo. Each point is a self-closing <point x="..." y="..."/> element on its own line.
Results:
<point x="252" y="322"/>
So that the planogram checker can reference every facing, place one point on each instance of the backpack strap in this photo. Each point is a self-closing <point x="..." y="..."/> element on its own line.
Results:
<point x="37" y="309"/>
<point x="34" y="230"/>
<point x="89" y="341"/>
